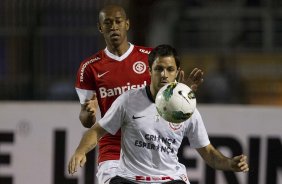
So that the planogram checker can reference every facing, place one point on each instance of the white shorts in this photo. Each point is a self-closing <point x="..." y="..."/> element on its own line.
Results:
<point x="106" y="171"/>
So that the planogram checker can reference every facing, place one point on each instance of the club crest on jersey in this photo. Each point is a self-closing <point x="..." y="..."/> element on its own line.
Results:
<point x="139" y="67"/>
<point x="175" y="126"/>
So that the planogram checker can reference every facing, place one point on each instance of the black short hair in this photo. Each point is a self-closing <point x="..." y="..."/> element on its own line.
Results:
<point x="109" y="7"/>
<point x="163" y="51"/>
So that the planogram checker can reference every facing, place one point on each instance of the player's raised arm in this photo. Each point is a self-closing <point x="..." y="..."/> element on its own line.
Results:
<point x="217" y="160"/>
<point x="87" y="115"/>
<point x="194" y="80"/>
<point x="87" y="143"/>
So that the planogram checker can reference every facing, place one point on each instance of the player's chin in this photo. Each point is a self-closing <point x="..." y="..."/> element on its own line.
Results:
<point x="115" y="41"/>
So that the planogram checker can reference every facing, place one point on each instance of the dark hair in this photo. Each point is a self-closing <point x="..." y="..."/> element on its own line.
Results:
<point x="163" y="51"/>
<point x="109" y="7"/>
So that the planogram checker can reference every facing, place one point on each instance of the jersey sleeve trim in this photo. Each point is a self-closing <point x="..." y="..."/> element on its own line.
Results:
<point x="201" y="145"/>
<point x="84" y="94"/>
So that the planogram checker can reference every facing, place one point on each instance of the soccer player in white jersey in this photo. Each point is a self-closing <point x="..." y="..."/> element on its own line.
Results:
<point x="149" y="144"/>
<point x="107" y="74"/>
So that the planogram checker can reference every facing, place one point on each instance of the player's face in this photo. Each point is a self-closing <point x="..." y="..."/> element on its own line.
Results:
<point x="163" y="71"/>
<point x="114" y="25"/>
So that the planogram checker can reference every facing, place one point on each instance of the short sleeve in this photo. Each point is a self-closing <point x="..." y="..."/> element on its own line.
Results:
<point x="84" y="94"/>
<point x="85" y="82"/>
<point x="197" y="133"/>
<point x="114" y="117"/>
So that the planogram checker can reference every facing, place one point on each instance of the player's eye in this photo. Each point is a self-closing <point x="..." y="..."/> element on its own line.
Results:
<point x="107" y="22"/>
<point x="118" y="21"/>
<point x="171" y="69"/>
<point x="158" y="69"/>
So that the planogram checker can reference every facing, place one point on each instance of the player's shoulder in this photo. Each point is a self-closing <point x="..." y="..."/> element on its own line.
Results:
<point x="133" y="92"/>
<point x="98" y="56"/>
<point x="196" y="117"/>
<point x="143" y="49"/>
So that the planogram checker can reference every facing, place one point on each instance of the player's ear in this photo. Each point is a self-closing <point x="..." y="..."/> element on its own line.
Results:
<point x="99" y="27"/>
<point x="150" y="71"/>
<point x="177" y="71"/>
<point x="127" y="24"/>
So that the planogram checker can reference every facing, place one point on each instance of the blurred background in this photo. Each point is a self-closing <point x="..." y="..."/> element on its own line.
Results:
<point x="237" y="43"/>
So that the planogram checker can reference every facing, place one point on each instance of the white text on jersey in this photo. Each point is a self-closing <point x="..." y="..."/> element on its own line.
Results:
<point x="85" y="65"/>
<point x="144" y="51"/>
<point x="104" y="92"/>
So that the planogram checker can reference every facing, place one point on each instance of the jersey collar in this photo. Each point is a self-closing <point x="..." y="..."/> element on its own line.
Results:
<point x="119" y="58"/>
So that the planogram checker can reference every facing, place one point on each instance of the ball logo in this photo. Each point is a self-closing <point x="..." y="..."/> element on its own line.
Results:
<point x="139" y="67"/>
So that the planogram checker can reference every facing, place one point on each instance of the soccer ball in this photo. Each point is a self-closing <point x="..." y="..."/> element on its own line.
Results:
<point x="175" y="102"/>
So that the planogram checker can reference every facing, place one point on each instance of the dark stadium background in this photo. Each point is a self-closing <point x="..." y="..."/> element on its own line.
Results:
<point x="237" y="43"/>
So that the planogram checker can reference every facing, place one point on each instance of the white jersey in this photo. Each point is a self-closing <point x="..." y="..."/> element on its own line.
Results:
<point x="149" y="143"/>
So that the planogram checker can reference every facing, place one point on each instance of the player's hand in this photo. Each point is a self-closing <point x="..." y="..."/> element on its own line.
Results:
<point x="194" y="80"/>
<point x="239" y="163"/>
<point x="78" y="159"/>
<point x="92" y="105"/>
<point x="88" y="112"/>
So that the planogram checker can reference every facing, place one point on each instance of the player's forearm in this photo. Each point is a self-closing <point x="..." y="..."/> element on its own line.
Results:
<point x="88" y="141"/>
<point x="214" y="158"/>
<point x="219" y="161"/>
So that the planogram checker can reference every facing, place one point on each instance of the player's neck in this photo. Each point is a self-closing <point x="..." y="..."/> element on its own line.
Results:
<point x="153" y="92"/>
<point x="119" y="50"/>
